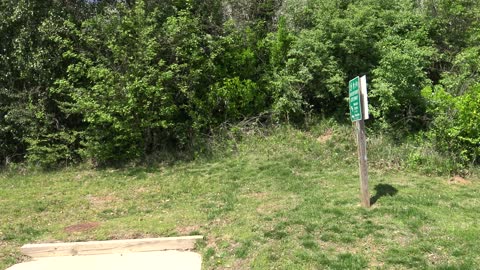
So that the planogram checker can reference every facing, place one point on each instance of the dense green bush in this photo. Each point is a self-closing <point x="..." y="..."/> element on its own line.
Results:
<point x="455" y="127"/>
<point x="117" y="82"/>
<point x="234" y="99"/>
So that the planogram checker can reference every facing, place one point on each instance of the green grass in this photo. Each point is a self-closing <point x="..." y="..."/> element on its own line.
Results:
<point x="277" y="201"/>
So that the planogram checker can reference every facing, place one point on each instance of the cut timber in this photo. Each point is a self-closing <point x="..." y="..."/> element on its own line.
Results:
<point x="109" y="247"/>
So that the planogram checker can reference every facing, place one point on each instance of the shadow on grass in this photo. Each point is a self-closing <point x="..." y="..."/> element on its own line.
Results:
<point x="383" y="190"/>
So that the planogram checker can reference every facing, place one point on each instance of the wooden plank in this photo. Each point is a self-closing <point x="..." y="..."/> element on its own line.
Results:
<point x="109" y="247"/>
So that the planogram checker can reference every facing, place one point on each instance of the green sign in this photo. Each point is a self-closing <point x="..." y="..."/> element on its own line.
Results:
<point x="354" y="95"/>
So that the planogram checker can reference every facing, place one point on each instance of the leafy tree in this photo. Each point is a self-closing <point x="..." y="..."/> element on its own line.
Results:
<point x="117" y="82"/>
<point x="30" y="121"/>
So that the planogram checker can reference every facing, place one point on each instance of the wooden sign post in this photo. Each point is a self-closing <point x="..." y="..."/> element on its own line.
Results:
<point x="358" y="114"/>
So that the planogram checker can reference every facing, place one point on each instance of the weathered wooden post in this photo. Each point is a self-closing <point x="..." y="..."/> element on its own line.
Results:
<point x="358" y="114"/>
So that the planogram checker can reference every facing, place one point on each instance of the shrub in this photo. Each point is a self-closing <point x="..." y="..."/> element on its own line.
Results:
<point x="454" y="128"/>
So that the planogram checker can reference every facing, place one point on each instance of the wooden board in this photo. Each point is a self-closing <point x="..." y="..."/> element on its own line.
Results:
<point x="109" y="247"/>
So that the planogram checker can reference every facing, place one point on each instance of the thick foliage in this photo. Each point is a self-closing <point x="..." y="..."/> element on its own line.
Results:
<point x="117" y="80"/>
<point x="31" y="124"/>
<point x="455" y="128"/>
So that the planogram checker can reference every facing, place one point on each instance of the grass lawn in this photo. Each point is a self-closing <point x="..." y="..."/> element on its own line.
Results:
<point x="288" y="200"/>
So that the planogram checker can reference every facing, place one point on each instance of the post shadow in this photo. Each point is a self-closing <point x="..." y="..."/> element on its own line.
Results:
<point x="383" y="190"/>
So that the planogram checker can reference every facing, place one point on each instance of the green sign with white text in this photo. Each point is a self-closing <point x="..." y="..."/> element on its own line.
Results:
<point x="354" y="100"/>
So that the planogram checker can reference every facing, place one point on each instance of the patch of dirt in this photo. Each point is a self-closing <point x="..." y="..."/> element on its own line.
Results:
<point x="240" y="264"/>
<point x="141" y="190"/>
<point x="437" y="257"/>
<point x="330" y="246"/>
<point x="187" y="230"/>
<point x="222" y="244"/>
<point x="368" y="245"/>
<point x="326" y="136"/>
<point x="257" y="195"/>
<point x="458" y="180"/>
<point x="84" y="174"/>
<point x="218" y="222"/>
<point x="211" y="242"/>
<point x="101" y="200"/>
<point x="82" y="227"/>
<point x="214" y="242"/>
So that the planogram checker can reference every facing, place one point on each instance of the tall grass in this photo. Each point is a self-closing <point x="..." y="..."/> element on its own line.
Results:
<point x="386" y="152"/>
